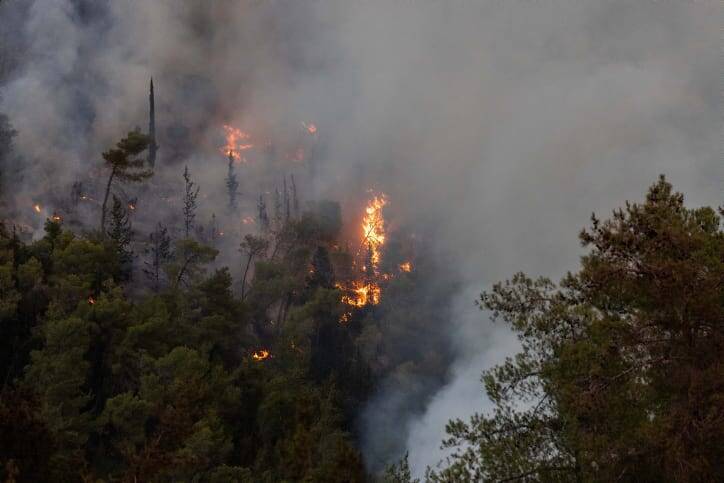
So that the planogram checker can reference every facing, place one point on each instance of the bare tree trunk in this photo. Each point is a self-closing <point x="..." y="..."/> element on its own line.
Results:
<point x="105" y="202"/>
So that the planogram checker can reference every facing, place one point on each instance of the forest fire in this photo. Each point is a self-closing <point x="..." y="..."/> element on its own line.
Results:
<point x="260" y="355"/>
<point x="236" y="141"/>
<point x="360" y="294"/>
<point x="366" y="290"/>
<point x="373" y="229"/>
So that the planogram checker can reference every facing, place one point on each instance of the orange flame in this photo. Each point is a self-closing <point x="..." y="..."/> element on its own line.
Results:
<point x="236" y="141"/>
<point x="56" y="218"/>
<point x="311" y="128"/>
<point x="345" y="317"/>
<point x="260" y="355"/>
<point x="37" y="208"/>
<point x="373" y="228"/>
<point x="406" y="267"/>
<point x="358" y="294"/>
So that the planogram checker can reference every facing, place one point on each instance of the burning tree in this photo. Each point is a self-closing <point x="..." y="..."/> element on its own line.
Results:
<point x="232" y="184"/>
<point x="125" y="166"/>
<point x="190" y="195"/>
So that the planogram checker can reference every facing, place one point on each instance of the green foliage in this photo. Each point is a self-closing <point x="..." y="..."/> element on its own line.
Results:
<point x="619" y="376"/>
<point x="161" y="386"/>
<point x="126" y="165"/>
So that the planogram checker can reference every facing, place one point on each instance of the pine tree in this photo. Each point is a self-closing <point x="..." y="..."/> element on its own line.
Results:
<point x="322" y="274"/>
<point x="287" y="211"/>
<point x="262" y="215"/>
<point x="120" y="233"/>
<point x="278" y="213"/>
<point x="232" y="184"/>
<point x="76" y="193"/>
<point x="214" y="232"/>
<point x="190" y="195"/>
<point x="295" y="198"/>
<point x="125" y="166"/>
<point x="252" y="247"/>
<point x="159" y="250"/>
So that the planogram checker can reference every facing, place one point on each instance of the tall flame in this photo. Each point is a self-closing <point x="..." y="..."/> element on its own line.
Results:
<point x="236" y="141"/>
<point x="373" y="228"/>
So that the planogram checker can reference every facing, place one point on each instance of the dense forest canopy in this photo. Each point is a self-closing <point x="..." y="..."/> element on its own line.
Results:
<point x="263" y="241"/>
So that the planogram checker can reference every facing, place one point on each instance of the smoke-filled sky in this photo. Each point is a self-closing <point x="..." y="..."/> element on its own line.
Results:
<point x="503" y="123"/>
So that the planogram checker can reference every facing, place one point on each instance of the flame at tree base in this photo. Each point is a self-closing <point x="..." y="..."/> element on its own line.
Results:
<point x="260" y="355"/>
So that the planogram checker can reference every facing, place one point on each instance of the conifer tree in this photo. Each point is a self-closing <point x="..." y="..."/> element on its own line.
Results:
<point x="322" y="274"/>
<point x="262" y="215"/>
<point x="252" y="247"/>
<point x="287" y="211"/>
<point x="125" y="166"/>
<point x="214" y="232"/>
<point x="232" y="184"/>
<point x="120" y="233"/>
<point x="159" y="250"/>
<point x="190" y="194"/>
<point x="278" y="210"/>
<point x="295" y="198"/>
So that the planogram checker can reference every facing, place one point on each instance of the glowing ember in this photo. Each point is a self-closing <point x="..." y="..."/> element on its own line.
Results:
<point x="37" y="208"/>
<point x="91" y="300"/>
<point x="311" y="128"/>
<point x="131" y="207"/>
<point x="56" y="218"/>
<point x="236" y="141"/>
<point x="260" y="355"/>
<point x="345" y="317"/>
<point x="406" y="267"/>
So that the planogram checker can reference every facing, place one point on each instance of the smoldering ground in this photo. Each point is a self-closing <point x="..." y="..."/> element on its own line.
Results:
<point x="501" y="124"/>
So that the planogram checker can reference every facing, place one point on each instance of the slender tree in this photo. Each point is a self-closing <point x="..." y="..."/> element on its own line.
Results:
<point x="190" y="194"/>
<point x="252" y="247"/>
<point x="159" y="252"/>
<point x="262" y="215"/>
<point x="295" y="198"/>
<point x="232" y="184"/>
<point x="278" y="209"/>
<point x="125" y="166"/>
<point x="287" y="205"/>
<point x="120" y="232"/>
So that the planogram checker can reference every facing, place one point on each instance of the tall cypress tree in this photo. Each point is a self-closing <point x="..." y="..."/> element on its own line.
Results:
<point x="190" y="194"/>
<point x="232" y="184"/>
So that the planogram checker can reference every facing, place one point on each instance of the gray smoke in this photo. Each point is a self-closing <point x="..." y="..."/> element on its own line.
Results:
<point x="504" y="123"/>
